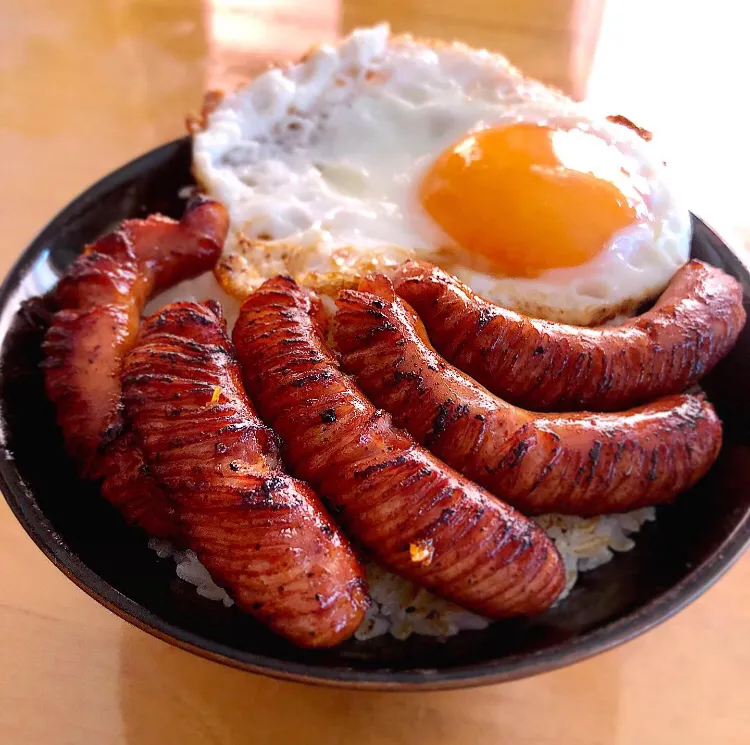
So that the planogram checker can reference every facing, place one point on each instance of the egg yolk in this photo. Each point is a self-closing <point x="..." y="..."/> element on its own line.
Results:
<point x="525" y="198"/>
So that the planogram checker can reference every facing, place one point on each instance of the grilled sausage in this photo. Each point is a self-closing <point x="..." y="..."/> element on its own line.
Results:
<point x="101" y="297"/>
<point x="553" y="367"/>
<point x="418" y="517"/>
<point x="129" y="486"/>
<point x="262" y="535"/>
<point x="581" y="463"/>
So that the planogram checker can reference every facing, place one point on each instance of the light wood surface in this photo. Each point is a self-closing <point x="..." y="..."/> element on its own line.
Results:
<point x="85" y="85"/>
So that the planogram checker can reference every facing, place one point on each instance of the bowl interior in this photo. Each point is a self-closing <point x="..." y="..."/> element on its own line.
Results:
<point x="688" y="546"/>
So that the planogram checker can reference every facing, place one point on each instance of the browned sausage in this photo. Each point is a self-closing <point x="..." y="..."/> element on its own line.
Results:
<point x="584" y="464"/>
<point x="128" y="485"/>
<point x="553" y="367"/>
<point x="623" y="121"/>
<point x="263" y="535"/>
<point x="101" y="297"/>
<point x="418" y="517"/>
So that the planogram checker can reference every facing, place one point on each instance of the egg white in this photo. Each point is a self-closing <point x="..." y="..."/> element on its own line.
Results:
<point x="319" y="162"/>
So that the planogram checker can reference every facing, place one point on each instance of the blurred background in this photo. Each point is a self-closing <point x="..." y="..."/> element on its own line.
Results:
<point x="86" y="85"/>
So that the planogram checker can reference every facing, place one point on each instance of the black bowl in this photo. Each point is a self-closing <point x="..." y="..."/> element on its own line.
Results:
<point x="676" y="558"/>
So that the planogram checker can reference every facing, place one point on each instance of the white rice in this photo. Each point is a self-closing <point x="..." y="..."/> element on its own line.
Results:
<point x="587" y="543"/>
<point x="190" y="569"/>
<point x="401" y="608"/>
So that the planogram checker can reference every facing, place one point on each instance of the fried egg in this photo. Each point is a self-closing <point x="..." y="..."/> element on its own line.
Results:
<point x="383" y="148"/>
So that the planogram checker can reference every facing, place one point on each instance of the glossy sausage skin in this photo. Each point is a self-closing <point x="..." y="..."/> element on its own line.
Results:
<point x="101" y="297"/>
<point x="581" y="463"/>
<point x="263" y="535"/>
<point x="127" y="483"/>
<point x="554" y="367"/>
<point x="418" y="517"/>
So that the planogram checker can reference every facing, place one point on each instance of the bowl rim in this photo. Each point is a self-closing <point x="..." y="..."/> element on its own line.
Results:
<point x="635" y="623"/>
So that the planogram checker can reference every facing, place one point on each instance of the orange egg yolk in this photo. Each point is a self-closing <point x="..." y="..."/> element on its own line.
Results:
<point x="525" y="198"/>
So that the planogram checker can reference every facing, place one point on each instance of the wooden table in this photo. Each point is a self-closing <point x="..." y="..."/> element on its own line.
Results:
<point x="87" y="84"/>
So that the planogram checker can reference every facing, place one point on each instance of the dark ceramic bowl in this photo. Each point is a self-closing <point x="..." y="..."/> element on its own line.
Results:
<point x="675" y="559"/>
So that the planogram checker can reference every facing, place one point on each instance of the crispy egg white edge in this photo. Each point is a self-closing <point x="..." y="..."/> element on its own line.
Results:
<point x="259" y="259"/>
